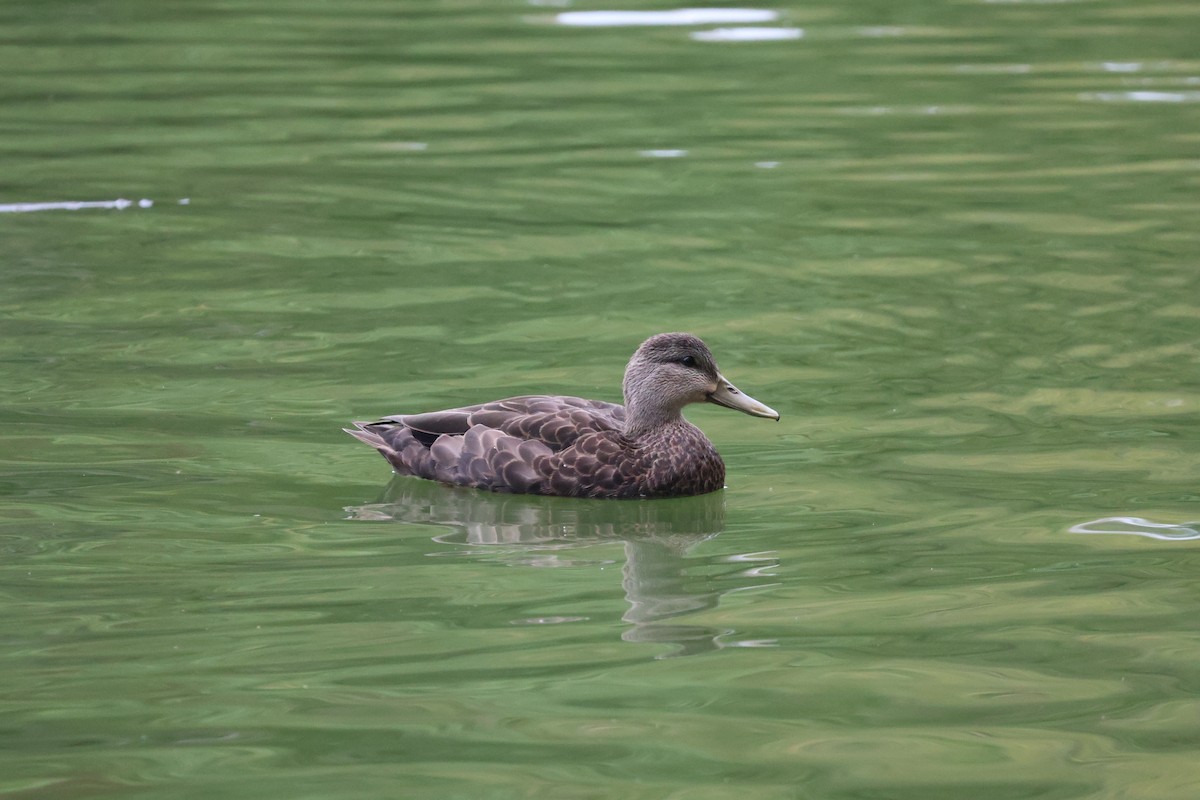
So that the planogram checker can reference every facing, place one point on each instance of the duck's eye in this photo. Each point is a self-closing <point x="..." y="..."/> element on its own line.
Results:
<point x="688" y="361"/>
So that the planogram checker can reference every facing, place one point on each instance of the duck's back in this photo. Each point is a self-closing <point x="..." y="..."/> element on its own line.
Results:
<point x="546" y="444"/>
<point x="555" y="420"/>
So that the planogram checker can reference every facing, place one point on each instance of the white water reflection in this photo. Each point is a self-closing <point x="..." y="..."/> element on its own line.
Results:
<point x="748" y="34"/>
<point x="1139" y="527"/>
<point x="904" y="110"/>
<point x="662" y="153"/>
<point x="1143" y="97"/>
<point x="120" y="204"/>
<point x="678" y="16"/>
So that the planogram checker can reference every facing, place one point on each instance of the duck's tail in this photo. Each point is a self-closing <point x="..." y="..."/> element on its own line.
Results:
<point x="396" y="444"/>
<point x="362" y="431"/>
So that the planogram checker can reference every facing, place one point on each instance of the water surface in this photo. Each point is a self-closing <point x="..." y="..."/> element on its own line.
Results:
<point x="953" y="244"/>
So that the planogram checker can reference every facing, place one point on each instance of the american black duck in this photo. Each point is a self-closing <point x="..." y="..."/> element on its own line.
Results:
<point x="569" y="446"/>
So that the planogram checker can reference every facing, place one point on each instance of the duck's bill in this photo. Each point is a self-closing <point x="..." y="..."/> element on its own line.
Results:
<point x="728" y="395"/>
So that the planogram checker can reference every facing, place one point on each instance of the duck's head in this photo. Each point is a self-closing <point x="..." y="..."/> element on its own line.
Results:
<point x="671" y="370"/>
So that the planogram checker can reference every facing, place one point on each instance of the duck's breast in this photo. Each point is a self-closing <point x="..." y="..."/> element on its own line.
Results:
<point x="683" y="463"/>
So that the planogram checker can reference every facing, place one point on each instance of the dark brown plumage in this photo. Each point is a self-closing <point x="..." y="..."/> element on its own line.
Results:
<point x="556" y="445"/>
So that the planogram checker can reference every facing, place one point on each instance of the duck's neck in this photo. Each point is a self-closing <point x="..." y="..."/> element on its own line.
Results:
<point x="641" y="420"/>
<point x="647" y="404"/>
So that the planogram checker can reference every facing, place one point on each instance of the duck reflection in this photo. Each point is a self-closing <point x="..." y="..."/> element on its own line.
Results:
<point x="656" y="536"/>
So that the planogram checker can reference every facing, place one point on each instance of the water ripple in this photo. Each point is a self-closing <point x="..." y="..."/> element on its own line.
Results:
<point x="1139" y="527"/>
<point x="748" y="34"/>
<point x="1142" y="97"/>
<point x="120" y="204"/>
<point x="677" y="16"/>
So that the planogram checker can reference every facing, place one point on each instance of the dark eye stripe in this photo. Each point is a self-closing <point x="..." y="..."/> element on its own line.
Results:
<point x="688" y="361"/>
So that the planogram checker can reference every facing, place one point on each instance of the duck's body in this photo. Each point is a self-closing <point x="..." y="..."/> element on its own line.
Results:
<point x="569" y="446"/>
<point x="545" y="444"/>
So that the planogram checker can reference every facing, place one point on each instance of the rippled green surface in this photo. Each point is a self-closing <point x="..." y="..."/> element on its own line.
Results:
<point x="955" y="244"/>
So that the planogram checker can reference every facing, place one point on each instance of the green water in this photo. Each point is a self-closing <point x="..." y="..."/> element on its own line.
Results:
<point x="955" y="244"/>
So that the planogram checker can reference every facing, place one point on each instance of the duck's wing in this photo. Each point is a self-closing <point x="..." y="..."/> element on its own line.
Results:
<point x="554" y="420"/>
<point x="512" y="445"/>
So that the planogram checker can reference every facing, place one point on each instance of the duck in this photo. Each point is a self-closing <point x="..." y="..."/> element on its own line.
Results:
<point x="574" y="447"/>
